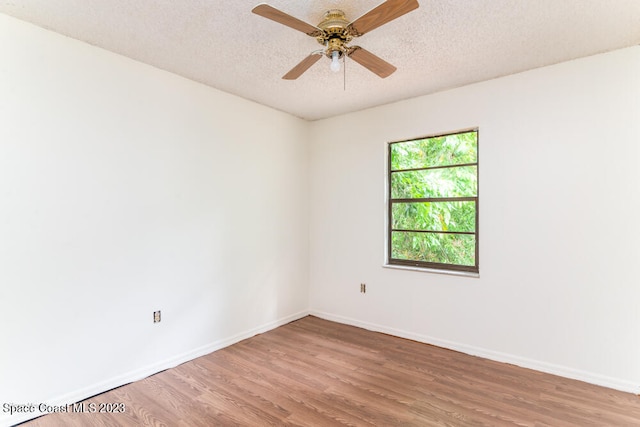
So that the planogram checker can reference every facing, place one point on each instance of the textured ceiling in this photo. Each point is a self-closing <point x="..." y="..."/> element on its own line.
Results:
<point x="442" y="44"/>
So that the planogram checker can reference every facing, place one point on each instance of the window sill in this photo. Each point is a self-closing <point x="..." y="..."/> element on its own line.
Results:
<point x="432" y="270"/>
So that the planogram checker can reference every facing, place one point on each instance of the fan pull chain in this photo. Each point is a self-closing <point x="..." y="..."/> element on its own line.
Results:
<point x="344" y="72"/>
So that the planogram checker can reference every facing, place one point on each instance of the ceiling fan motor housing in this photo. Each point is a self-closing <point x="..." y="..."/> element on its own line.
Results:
<point x="334" y="25"/>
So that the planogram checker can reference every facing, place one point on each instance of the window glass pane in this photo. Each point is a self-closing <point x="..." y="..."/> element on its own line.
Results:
<point x="436" y="216"/>
<point x="447" y="182"/>
<point x="458" y="249"/>
<point x="439" y="151"/>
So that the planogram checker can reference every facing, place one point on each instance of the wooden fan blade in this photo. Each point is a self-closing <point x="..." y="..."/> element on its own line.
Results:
<point x="303" y="66"/>
<point x="279" y="16"/>
<point x="371" y="62"/>
<point x="380" y="15"/>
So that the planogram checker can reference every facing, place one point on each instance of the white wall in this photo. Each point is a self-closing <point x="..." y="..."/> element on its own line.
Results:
<point x="559" y="231"/>
<point x="123" y="190"/>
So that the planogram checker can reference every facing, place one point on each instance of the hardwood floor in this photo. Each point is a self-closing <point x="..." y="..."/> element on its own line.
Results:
<point x="313" y="372"/>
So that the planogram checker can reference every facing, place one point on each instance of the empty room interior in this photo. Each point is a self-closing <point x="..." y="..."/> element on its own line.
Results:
<point x="188" y="183"/>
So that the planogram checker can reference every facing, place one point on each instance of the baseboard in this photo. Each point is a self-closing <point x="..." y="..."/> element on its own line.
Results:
<point x="562" y="371"/>
<point x="138" y="374"/>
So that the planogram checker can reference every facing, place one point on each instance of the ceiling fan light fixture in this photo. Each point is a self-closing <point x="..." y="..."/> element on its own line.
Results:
<point x="335" y="61"/>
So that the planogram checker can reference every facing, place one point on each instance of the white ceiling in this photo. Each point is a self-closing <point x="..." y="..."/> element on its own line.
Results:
<point x="443" y="44"/>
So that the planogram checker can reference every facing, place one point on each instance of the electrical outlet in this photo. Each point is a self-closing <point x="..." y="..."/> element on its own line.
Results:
<point x="363" y="288"/>
<point x="156" y="316"/>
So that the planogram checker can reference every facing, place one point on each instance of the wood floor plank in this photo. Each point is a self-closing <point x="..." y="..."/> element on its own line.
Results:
<point x="313" y="372"/>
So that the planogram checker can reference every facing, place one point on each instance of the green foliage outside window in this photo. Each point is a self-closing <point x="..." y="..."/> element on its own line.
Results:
<point x="433" y="202"/>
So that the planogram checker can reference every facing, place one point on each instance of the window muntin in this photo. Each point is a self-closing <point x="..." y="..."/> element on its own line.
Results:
<point x="433" y="202"/>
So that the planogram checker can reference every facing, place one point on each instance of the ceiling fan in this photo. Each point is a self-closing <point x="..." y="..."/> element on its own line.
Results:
<point x="335" y="32"/>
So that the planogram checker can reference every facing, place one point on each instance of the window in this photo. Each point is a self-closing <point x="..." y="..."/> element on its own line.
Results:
<point x="433" y="202"/>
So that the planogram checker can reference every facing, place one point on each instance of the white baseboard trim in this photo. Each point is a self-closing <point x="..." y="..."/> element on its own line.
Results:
<point x="138" y="374"/>
<point x="562" y="371"/>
